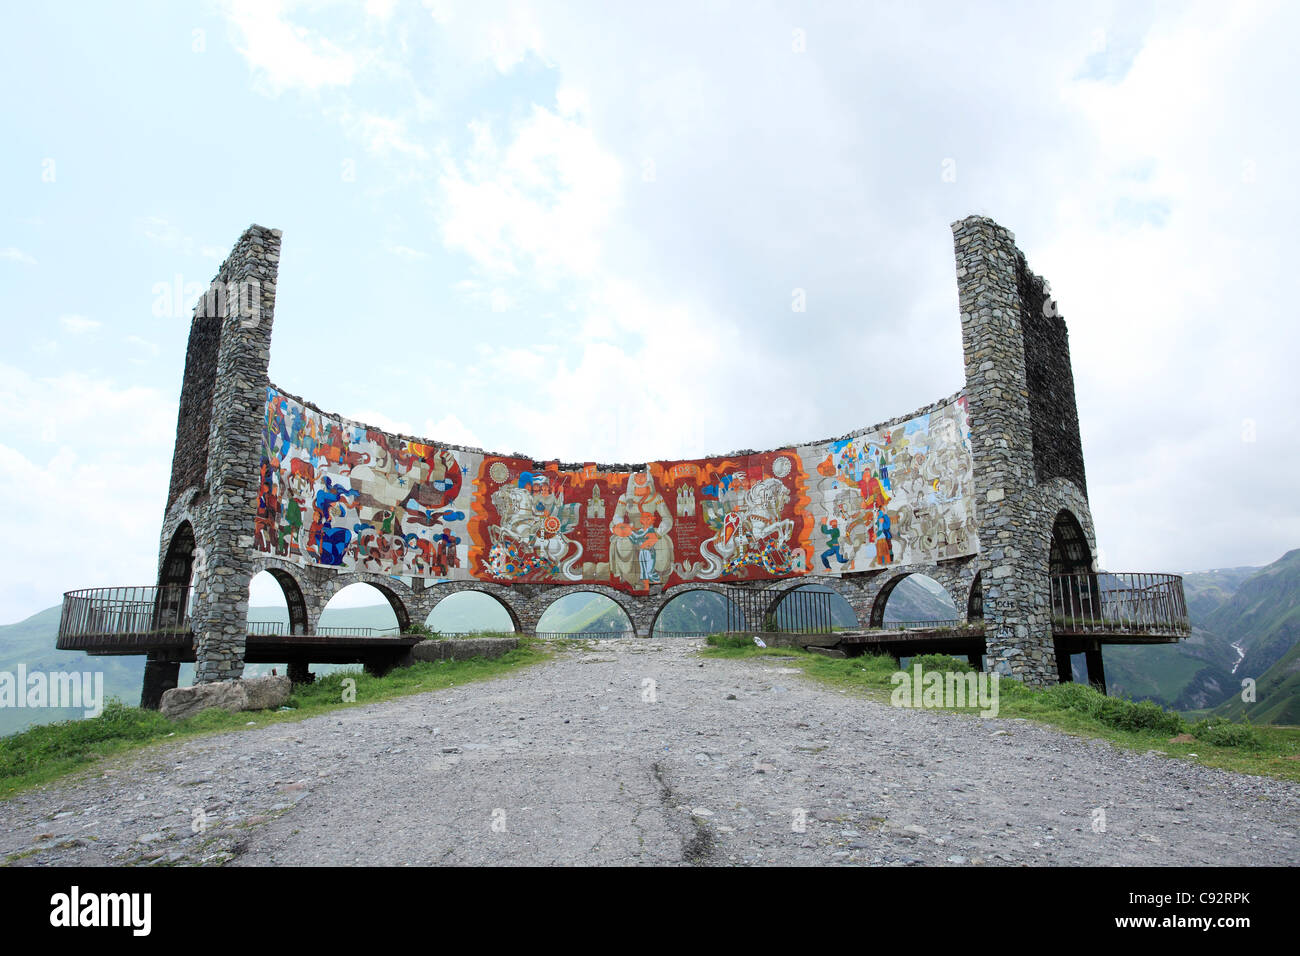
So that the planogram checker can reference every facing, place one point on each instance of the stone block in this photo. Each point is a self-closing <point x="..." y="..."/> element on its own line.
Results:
<point x="254" y="693"/>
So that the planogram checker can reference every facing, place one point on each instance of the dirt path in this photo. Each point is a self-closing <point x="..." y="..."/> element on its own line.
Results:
<point x="580" y="760"/>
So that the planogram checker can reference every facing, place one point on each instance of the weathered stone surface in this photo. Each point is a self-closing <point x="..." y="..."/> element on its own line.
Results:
<point x="460" y="650"/>
<point x="253" y="693"/>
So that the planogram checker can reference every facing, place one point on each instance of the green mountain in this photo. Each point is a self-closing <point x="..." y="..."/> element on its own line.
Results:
<point x="1277" y="695"/>
<point x="1245" y="624"/>
<point x="1262" y="617"/>
<point x="31" y="643"/>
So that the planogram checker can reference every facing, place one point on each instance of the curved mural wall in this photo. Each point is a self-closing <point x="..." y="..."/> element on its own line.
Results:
<point x="335" y="493"/>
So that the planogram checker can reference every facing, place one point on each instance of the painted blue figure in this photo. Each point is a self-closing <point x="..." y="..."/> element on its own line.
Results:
<point x="883" y="531"/>
<point x="333" y="542"/>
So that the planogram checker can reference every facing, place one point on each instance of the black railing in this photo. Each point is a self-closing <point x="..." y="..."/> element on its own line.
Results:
<point x="98" y="613"/>
<point x="357" y="631"/>
<point x="802" y="610"/>
<point x="1106" y="602"/>
<point x="582" y="635"/>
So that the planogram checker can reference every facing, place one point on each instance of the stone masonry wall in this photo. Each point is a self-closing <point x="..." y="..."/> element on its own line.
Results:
<point x="194" y="420"/>
<point x="1053" y="416"/>
<point x="247" y="310"/>
<point x="1015" y="527"/>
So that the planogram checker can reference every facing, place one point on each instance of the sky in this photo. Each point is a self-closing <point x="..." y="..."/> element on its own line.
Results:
<point x="579" y="231"/>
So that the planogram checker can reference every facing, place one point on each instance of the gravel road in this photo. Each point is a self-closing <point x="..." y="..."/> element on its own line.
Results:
<point x="582" y="760"/>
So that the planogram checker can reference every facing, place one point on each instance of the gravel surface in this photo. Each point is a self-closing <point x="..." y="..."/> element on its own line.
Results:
<point x="582" y="761"/>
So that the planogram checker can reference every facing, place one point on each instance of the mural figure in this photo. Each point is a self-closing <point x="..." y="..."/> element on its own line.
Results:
<point x="749" y="530"/>
<point x="640" y="549"/>
<point x="338" y="494"/>
<point x="531" y="541"/>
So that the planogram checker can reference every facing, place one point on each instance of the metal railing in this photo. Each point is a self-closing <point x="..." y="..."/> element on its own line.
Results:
<point x="268" y="627"/>
<point x="95" y="614"/>
<point x="357" y="631"/>
<point x="1106" y="602"/>
<point x="803" y="610"/>
<point x="922" y="625"/>
<point x="582" y="635"/>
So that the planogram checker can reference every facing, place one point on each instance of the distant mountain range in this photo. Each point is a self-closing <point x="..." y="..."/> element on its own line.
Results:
<point x="1255" y="609"/>
<point x="1245" y="624"/>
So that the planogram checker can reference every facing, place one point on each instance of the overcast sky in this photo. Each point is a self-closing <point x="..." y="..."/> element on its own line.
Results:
<point x="577" y="231"/>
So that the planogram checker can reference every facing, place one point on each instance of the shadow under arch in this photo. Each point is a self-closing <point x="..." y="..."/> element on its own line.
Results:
<point x="607" y="593"/>
<point x="178" y="564"/>
<point x="293" y="598"/>
<point x="975" y="599"/>
<point x="1069" y="552"/>
<point x="175" y="595"/>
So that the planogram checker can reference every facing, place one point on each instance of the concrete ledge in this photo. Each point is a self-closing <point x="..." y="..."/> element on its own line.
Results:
<point x="460" y="650"/>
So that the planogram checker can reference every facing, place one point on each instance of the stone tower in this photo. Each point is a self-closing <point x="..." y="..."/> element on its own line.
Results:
<point x="207" y="532"/>
<point x="1028" y="458"/>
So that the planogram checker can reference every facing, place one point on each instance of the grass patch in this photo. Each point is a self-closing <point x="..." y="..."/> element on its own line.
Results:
<point x="1074" y="708"/>
<point x="48" y="751"/>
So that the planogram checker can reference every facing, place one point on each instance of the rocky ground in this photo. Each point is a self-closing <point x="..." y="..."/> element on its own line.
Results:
<point x="637" y="751"/>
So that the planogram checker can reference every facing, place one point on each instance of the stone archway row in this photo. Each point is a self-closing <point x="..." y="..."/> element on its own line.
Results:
<point x="308" y="590"/>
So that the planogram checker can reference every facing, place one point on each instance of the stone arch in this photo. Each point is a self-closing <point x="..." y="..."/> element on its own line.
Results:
<point x="673" y="593"/>
<point x="1068" y="550"/>
<point x="975" y="599"/>
<point x="175" y="596"/>
<point x="1061" y="495"/>
<point x="177" y="566"/>
<point x="439" y="593"/>
<point x="294" y="596"/>
<point x="784" y="589"/>
<point x="887" y="588"/>
<point x="392" y="590"/>
<point x="549" y="597"/>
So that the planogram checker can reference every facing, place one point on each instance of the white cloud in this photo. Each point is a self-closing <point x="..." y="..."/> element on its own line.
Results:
<point x="285" y="55"/>
<point x="16" y="255"/>
<point x="78" y="324"/>
<point x="404" y="252"/>
<point x="541" y="203"/>
<point x="383" y="135"/>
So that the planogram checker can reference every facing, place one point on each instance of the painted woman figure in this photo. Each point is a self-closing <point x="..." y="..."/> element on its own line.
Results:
<point x="640" y="550"/>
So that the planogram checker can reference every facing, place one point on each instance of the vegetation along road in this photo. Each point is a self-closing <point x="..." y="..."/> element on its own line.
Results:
<point x="639" y="751"/>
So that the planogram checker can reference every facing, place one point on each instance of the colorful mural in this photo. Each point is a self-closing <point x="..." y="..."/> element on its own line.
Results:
<point x="730" y="519"/>
<point x="337" y="494"/>
<point x="900" y="495"/>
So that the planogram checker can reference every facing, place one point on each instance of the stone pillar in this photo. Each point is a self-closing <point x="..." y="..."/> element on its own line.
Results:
<point x="299" y="672"/>
<point x="1017" y="604"/>
<point x="1096" y="669"/>
<point x="160" y="676"/>
<point x="1064" y="667"/>
<point x="244" y="296"/>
